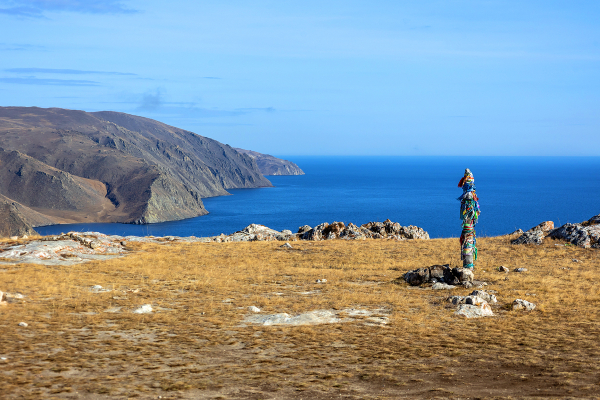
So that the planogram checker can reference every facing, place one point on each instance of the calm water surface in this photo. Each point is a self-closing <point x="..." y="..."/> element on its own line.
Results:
<point x="514" y="192"/>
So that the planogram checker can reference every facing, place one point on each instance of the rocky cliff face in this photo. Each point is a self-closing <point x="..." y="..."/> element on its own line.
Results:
<point x="75" y="166"/>
<point x="270" y="165"/>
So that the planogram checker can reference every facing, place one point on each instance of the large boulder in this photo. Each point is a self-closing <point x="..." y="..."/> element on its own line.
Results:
<point x="585" y="234"/>
<point x="417" y="277"/>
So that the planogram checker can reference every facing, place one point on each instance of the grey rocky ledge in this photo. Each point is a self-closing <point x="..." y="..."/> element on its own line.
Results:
<point x="326" y="231"/>
<point x="585" y="234"/>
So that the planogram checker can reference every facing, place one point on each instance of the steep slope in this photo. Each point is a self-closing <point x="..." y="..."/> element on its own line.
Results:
<point x="270" y="165"/>
<point x="142" y="172"/>
<point x="18" y="220"/>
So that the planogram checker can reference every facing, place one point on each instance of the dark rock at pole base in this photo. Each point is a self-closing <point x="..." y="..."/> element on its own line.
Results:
<point x="440" y="273"/>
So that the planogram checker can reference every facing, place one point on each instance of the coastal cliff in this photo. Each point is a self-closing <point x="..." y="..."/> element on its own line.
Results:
<point x="74" y="166"/>
<point x="270" y="165"/>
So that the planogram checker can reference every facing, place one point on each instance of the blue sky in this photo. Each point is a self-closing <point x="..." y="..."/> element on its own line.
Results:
<point x="451" y="77"/>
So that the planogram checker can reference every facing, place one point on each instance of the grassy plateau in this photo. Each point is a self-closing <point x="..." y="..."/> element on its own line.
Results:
<point x="196" y="345"/>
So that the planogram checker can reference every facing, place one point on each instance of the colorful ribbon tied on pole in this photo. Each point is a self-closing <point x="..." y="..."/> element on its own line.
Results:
<point x="469" y="213"/>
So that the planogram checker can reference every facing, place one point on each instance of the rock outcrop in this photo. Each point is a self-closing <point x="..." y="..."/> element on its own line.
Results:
<point x="585" y="234"/>
<point x="270" y="165"/>
<point x="326" y="231"/>
<point x="371" y="230"/>
<point x="536" y="234"/>
<point x="75" y="166"/>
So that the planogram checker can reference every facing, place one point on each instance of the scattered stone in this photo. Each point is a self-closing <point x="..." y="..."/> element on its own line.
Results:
<point x="438" y="272"/>
<point x="321" y="280"/>
<point x="228" y="301"/>
<point x="474" y="284"/>
<point x="474" y="300"/>
<point x="14" y="237"/>
<point x="2" y="299"/>
<point x="575" y="260"/>
<point x="502" y="268"/>
<point x="442" y="286"/>
<point x="23" y="324"/>
<point x="490" y="298"/>
<point x="144" y="309"/>
<point x="456" y="300"/>
<point x="520" y="304"/>
<point x="113" y="310"/>
<point x="99" y="289"/>
<point x="517" y="232"/>
<point x="463" y="274"/>
<point x="520" y="269"/>
<point x="475" y="311"/>
<point x="417" y="277"/>
<point x="286" y="246"/>
<point x="253" y="309"/>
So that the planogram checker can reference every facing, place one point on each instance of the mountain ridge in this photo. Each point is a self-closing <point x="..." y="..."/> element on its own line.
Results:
<point x="78" y="166"/>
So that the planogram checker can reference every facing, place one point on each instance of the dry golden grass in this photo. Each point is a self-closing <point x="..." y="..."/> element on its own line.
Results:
<point x="194" y="345"/>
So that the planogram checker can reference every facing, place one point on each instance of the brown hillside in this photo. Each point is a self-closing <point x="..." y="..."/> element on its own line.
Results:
<point x="148" y="171"/>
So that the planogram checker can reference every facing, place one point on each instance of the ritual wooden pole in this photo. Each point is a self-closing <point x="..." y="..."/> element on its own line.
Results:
<point x="469" y="214"/>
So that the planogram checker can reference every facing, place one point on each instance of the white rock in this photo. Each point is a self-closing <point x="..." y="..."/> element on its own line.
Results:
<point x="144" y="309"/>
<point x="14" y="237"/>
<point x="308" y="318"/>
<point x="441" y="286"/>
<point x="521" y="270"/>
<point x="502" y="268"/>
<point x="321" y="280"/>
<point x="286" y="246"/>
<point x="520" y="304"/>
<point x="23" y="324"/>
<point x="471" y="311"/>
<point x="490" y="298"/>
<point x="253" y="309"/>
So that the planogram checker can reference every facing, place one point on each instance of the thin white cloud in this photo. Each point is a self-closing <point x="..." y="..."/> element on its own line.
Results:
<point x="37" y="8"/>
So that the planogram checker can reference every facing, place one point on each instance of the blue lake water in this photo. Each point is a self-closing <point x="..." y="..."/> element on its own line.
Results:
<point x="514" y="192"/>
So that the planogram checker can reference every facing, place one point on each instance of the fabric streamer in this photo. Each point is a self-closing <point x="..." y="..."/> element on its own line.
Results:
<point x="469" y="214"/>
